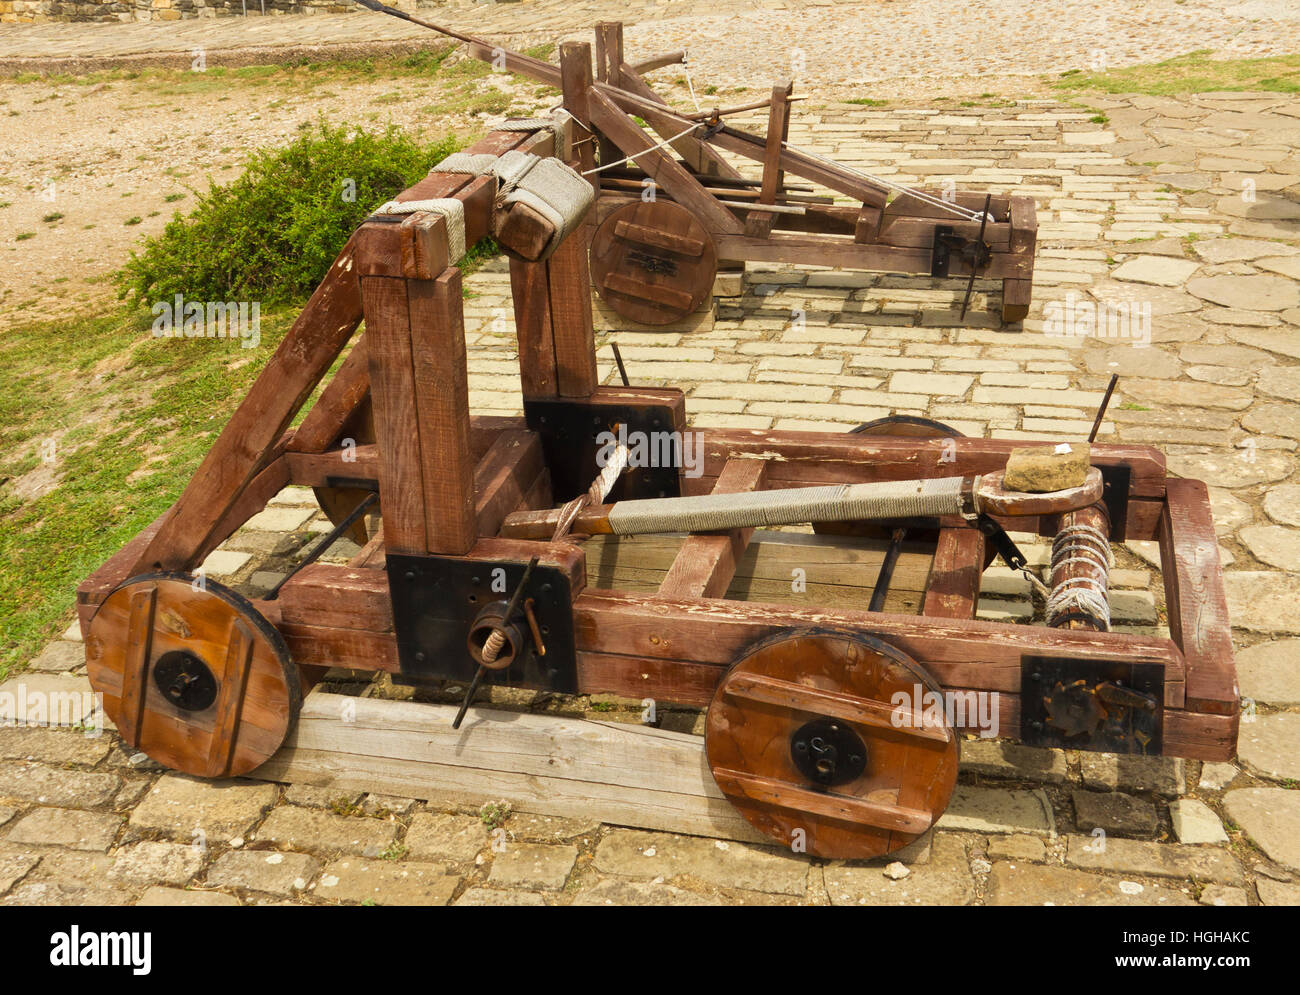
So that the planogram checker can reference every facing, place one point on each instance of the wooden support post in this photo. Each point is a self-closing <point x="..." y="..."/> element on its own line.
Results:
<point x="609" y="60"/>
<point x="575" y="82"/>
<point x="572" y="332"/>
<point x="531" y="295"/>
<point x="1023" y="240"/>
<point x="420" y="394"/>
<point x="954" y="588"/>
<point x="706" y="563"/>
<point x="759" y="223"/>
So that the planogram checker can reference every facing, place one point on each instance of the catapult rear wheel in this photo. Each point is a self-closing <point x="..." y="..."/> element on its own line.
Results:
<point x="192" y="674"/>
<point x="819" y="740"/>
<point x="653" y="262"/>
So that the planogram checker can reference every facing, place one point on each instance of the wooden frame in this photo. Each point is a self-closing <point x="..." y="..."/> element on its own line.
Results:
<point x="447" y="480"/>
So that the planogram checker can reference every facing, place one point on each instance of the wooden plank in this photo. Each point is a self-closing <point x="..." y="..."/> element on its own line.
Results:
<point x="514" y="62"/>
<point x="401" y="487"/>
<point x="575" y="77"/>
<point x="341" y="397"/>
<point x="837" y="457"/>
<point x="503" y="477"/>
<point x="954" y="588"/>
<point x="799" y="697"/>
<point x="1195" y="600"/>
<point x="611" y="772"/>
<point x="717" y="632"/>
<point x="827" y="804"/>
<point x="230" y="702"/>
<point x="441" y="385"/>
<point x="684" y="187"/>
<point x="706" y="564"/>
<point x="135" y="668"/>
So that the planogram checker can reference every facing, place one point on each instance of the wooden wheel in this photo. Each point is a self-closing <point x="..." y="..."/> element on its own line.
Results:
<point x="192" y="674"/>
<point x="653" y="262"/>
<point x="806" y="737"/>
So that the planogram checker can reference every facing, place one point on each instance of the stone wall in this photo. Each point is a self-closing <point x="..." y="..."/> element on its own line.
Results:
<point x="160" y="10"/>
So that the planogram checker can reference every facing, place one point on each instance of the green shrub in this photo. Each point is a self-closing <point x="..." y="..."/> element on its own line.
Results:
<point x="271" y="234"/>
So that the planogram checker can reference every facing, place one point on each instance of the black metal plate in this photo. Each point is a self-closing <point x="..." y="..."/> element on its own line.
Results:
<point x="1116" y="480"/>
<point x="436" y="598"/>
<point x="940" y="254"/>
<point x="1126" y="730"/>
<point x="568" y="430"/>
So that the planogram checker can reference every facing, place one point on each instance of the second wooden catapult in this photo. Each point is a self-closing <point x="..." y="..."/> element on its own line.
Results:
<point x="479" y="571"/>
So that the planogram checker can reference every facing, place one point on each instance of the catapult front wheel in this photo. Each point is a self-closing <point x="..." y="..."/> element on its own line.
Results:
<point x="831" y="743"/>
<point x="192" y="674"/>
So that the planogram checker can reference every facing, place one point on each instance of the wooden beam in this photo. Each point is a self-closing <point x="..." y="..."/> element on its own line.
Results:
<point x="1195" y="600"/>
<point x="609" y="772"/>
<point x="438" y="360"/>
<point x="684" y="187"/>
<point x="700" y="155"/>
<point x="759" y="224"/>
<point x="337" y="402"/>
<point x="706" y="564"/>
<point x="573" y="336"/>
<point x="530" y="293"/>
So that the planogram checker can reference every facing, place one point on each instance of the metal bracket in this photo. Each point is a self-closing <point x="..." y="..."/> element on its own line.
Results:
<point x="1110" y="706"/>
<point x="940" y="252"/>
<point x="436" y="599"/>
<point x="569" y="428"/>
<point x="1116" y="480"/>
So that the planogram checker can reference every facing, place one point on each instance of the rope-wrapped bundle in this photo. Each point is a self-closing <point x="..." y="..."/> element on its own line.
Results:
<point x="1078" y="597"/>
<point x="933" y="498"/>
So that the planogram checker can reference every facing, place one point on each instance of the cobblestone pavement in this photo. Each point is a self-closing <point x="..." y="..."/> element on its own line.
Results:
<point x="817" y="41"/>
<point x="1187" y="207"/>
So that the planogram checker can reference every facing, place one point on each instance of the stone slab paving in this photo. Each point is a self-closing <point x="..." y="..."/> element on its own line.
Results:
<point x="1182" y="209"/>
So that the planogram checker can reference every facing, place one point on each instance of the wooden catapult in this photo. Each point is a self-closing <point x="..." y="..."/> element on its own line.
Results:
<point x="820" y="719"/>
<point x="708" y="214"/>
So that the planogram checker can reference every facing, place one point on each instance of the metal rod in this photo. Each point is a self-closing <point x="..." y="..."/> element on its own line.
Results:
<point x="325" y="543"/>
<point x="886" y="575"/>
<point x="622" y="370"/>
<point x="1101" y="411"/>
<point x="970" y="284"/>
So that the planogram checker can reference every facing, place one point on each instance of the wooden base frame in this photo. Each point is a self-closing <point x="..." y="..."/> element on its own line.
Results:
<point x="447" y="480"/>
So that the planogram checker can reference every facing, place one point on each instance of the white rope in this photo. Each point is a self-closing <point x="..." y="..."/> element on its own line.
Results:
<point x="449" y="208"/>
<point x="628" y="160"/>
<point x="690" y="85"/>
<point x="921" y="195"/>
<point x="548" y="186"/>
<point x="1090" y="546"/>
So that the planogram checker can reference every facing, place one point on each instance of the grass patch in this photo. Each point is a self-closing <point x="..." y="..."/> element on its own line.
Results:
<point x="125" y="420"/>
<point x="1195" y="72"/>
